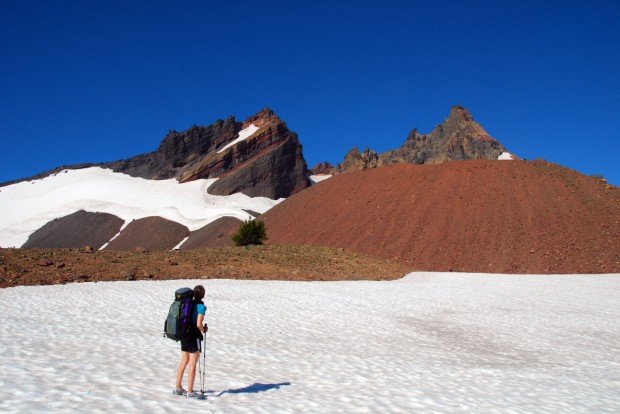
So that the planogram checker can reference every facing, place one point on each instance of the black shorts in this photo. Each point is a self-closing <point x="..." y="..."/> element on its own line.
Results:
<point x="191" y="345"/>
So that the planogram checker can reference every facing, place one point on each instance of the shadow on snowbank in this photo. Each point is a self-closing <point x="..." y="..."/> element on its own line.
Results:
<point x="254" y="388"/>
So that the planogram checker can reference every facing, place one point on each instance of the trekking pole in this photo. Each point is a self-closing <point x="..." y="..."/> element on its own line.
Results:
<point x="204" y="353"/>
<point x="199" y="367"/>
<point x="202" y="373"/>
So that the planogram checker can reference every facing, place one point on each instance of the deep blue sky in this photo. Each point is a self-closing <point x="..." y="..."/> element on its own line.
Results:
<point x="103" y="80"/>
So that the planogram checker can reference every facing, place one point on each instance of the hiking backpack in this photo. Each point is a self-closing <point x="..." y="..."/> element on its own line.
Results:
<point x="178" y="323"/>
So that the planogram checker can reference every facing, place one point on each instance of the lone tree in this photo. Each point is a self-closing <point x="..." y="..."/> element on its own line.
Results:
<point x="250" y="232"/>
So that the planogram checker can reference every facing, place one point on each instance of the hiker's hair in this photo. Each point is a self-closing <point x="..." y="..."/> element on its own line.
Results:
<point x="199" y="292"/>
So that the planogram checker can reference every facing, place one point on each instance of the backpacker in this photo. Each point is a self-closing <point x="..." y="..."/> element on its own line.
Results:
<point x="178" y="323"/>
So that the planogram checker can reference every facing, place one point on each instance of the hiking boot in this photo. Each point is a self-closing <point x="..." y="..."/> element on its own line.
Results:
<point x="179" y="391"/>
<point x="194" y="394"/>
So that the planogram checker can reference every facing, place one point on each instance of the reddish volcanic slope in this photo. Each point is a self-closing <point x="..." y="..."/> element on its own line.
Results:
<point x="473" y="216"/>
<point x="216" y="234"/>
<point x="151" y="233"/>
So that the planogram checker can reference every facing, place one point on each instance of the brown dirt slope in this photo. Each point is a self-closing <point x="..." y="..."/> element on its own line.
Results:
<point x="53" y="266"/>
<point x="215" y="234"/>
<point x="152" y="233"/>
<point x="76" y="230"/>
<point x="473" y="216"/>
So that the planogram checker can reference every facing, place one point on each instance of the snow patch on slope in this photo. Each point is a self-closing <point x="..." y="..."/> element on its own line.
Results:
<point x="319" y="177"/>
<point x="178" y="246"/>
<point x="243" y="135"/>
<point x="28" y="205"/>
<point x="125" y="224"/>
<point x="505" y="156"/>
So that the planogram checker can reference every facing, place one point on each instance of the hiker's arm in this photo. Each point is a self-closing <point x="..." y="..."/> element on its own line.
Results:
<point x="199" y="323"/>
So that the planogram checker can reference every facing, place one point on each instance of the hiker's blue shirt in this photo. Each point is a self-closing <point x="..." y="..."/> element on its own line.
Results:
<point x="199" y="309"/>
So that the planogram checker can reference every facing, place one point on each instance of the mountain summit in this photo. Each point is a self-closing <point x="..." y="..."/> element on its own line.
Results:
<point x="264" y="159"/>
<point x="458" y="137"/>
<point x="259" y="157"/>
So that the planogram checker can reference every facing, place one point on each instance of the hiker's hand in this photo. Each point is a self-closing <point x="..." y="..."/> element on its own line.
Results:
<point x="205" y="328"/>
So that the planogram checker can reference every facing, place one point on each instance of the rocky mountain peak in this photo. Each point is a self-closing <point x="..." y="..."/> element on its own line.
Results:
<point x="458" y="137"/>
<point x="264" y="161"/>
<point x="458" y="127"/>
<point x="267" y="161"/>
<point x="460" y="114"/>
<point x="263" y="117"/>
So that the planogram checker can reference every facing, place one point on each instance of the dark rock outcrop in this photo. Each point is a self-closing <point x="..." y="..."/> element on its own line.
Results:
<point x="322" y="168"/>
<point x="215" y="234"/>
<point x="253" y="213"/>
<point x="459" y="137"/>
<point x="276" y="173"/>
<point x="356" y="161"/>
<point x="76" y="230"/>
<point x="179" y="151"/>
<point x="269" y="163"/>
<point x="150" y="233"/>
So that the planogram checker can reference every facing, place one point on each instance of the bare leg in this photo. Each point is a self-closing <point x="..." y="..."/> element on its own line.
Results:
<point x="181" y="370"/>
<point x="191" y="374"/>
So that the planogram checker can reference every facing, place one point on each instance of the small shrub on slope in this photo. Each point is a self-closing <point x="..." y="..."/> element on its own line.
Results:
<point x="250" y="232"/>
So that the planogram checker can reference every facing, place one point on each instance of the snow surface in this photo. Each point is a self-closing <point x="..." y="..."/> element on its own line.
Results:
<point x="504" y="156"/>
<point x="26" y="206"/>
<point x="243" y="135"/>
<point x="431" y="342"/>
<point x="319" y="177"/>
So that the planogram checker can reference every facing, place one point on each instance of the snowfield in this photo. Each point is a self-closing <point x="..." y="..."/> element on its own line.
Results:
<point x="26" y="206"/>
<point x="431" y="342"/>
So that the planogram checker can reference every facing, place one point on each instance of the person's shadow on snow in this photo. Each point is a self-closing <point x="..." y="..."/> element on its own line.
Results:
<point x="254" y="388"/>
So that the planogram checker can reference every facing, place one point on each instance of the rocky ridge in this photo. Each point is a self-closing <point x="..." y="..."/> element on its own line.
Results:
<point x="268" y="163"/>
<point x="459" y="137"/>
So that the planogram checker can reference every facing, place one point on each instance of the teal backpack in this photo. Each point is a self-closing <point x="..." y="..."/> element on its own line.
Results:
<point x="178" y="323"/>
